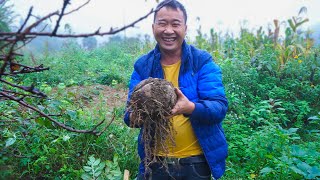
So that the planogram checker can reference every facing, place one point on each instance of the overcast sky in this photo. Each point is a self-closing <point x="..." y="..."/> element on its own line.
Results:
<point x="222" y="15"/>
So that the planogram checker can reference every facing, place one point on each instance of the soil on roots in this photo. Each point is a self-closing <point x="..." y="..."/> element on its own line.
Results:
<point x="151" y="103"/>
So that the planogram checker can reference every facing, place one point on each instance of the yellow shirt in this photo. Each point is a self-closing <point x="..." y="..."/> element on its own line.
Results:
<point x="186" y="143"/>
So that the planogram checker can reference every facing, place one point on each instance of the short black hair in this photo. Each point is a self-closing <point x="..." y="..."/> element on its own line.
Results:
<point x="173" y="4"/>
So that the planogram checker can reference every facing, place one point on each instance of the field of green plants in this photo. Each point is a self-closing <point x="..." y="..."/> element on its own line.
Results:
<point x="272" y="83"/>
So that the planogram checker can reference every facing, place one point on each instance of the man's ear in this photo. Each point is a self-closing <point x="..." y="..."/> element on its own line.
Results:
<point x="153" y="28"/>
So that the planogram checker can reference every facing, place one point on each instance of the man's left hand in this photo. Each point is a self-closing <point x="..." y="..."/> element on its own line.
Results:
<point x="183" y="105"/>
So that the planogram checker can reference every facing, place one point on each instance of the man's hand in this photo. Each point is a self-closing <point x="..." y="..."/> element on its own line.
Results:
<point x="183" y="105"/>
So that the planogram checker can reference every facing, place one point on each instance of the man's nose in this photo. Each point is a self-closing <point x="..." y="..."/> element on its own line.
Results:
<point x="169" y="29"/>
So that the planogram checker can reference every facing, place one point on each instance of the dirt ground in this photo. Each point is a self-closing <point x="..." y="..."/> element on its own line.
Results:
<point x="92" y="95"/>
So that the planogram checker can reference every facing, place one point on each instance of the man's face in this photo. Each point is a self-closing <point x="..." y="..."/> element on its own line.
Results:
<point x="169" y="29"/>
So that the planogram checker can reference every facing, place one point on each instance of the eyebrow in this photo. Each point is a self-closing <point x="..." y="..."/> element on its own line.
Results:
<point x="177" y="20"/>
<point x="174" y="20"/>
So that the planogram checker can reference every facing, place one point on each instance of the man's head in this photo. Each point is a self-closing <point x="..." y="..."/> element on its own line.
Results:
<point x="169" y="26"/>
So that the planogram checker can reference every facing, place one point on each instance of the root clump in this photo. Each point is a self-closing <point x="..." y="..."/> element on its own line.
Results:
<point x="151" y="103"/>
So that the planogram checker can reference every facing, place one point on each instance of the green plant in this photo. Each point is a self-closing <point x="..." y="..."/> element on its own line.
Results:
<point x="272" y="126"/>
<point x="112" y="170"/>
<point x="93" y="169"/>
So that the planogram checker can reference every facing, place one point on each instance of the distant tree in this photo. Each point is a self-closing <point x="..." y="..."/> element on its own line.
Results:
<point x="115" y="39"/>
<point x="6" y="16"/>
<point x="44" y="44"/>
<point x="89" y="42"/>
<point x="316" y="33"/>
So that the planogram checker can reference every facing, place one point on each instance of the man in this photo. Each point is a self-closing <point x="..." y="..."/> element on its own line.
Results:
<point x="200" y="146"/>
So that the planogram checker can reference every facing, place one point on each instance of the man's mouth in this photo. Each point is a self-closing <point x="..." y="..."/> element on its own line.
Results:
<point x="169" y="39"/>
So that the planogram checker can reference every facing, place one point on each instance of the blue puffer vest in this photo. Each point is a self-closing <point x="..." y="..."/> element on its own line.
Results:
<point x="200" y="81"/>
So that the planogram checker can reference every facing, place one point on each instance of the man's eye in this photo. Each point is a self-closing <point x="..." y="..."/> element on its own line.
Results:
<point x="176" y="25"/>
<point x="162" y="24"/>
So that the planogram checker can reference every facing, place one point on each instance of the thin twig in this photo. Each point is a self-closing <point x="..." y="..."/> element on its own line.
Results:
<point x="77" y="8"/>
<point x="65" y="4"/>
<point x="63" y="126"/>
<point x="20" y="94"/>
<point x="30" y="89"/>
<point x="27" y="31"/>
<point x="25" y="21"/>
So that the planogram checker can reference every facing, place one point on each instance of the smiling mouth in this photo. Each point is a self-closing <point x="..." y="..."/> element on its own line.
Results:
<point x="168" y="39"/>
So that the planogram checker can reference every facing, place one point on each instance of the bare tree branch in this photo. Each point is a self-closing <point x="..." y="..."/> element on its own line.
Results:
<point x="63" y="126"/>
<point x="11" y="42"/>
<point x="112" y="31"/>
<point x="20" y="94"/>
<point x="27" y="31"/>
<point x="30" y="89"/>
<point x="25" y="22"/>
<point x="65" y="4"/>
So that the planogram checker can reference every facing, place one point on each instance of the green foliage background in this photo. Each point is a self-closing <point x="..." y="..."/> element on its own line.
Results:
<point x="272" y="125"/>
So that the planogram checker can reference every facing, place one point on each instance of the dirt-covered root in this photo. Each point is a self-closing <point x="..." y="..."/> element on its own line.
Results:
<point x="150" y="104"/>
<point x="153" y="95"/>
